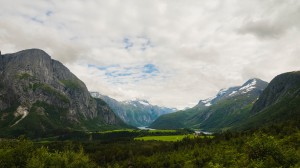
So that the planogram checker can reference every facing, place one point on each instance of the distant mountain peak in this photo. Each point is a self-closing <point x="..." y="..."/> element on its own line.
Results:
<point x="251" y="85"/>
<point x="137" y="112"/>
<point x="144" y="102"/>
<point x="248" y="86"/>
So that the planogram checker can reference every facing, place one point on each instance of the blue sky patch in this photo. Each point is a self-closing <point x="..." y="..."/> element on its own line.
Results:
<point x="140" y="43"/>
<point x="150" y="68"/>
<point x="117" y="74"/>
<point x="102" y="68"/>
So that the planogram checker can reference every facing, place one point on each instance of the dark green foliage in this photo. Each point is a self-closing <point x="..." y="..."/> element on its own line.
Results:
<point x="271" y="146"/>
<point x="41" y="115"/>
<point x="259" y="150"/>
<point x="14" y="153"/>
<point x="267" y="147"/>
<point x="22" y="153"/>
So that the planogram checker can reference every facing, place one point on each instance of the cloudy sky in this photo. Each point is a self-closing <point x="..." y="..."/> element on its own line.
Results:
<point x="169" y="52"/>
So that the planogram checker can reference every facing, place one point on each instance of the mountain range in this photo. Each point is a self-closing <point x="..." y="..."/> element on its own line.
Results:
<point x="135" y="112"/>
<point x="228" y="107"/>
<point x="39" y="95"/>
<point x="253" y="105"/>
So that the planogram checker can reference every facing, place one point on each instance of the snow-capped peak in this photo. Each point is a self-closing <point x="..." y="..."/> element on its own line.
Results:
<point x="143" y="102"/>
<point x="250" y="86"/>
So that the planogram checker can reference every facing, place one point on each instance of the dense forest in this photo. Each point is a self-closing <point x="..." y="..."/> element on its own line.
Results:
<point x="272" y="146"/>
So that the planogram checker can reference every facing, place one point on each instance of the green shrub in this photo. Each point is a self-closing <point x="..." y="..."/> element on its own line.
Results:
<point x="67" y="159"/>
<point x="24" y="76"/>
<point x="71" y="84"/>
<point x="267" y="148"/>
<point x="50" y="90"/>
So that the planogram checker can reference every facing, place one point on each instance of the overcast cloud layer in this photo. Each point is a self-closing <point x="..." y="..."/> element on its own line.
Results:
<point x="169" y="52"/>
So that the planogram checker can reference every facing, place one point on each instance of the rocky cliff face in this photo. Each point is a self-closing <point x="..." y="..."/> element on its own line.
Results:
<point x="31" y="80"/>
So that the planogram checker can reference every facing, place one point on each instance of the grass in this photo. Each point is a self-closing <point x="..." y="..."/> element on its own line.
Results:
<point x="136" y="130"/>
<point x="170" y="138"/>
<point x="118" y="130"/>
<point x="154" y="131"/>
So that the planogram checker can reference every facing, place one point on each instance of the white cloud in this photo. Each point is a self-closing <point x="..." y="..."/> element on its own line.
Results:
<point x="197" y="46"/>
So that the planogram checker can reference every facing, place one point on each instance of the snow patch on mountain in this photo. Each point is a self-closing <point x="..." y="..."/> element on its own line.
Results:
<point x="247" y="88"/>
<point x="207" y="102"/>
<point x="232" y="93"/>
<point x="144" y="103"/>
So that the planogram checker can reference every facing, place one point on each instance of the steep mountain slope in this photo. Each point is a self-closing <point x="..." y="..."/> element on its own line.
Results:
<point x="223" y="111"/>
<point x="279" y="103"/>
<point x="39" y="95"/>
<point x="136" y="113"/>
